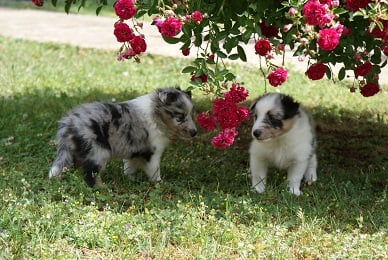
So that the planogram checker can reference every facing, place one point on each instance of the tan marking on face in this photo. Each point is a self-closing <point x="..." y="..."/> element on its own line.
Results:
<point x="270" y="133"/>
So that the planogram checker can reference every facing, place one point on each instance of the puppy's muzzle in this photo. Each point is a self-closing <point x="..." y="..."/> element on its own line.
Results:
<point x="193" y="132"/>
<point x="256" y="133"/>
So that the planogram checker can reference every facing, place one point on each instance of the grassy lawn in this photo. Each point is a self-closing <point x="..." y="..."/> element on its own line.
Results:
<point x="204" y="209"/>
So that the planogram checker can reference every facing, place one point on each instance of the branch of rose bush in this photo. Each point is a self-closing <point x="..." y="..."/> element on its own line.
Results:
<point x="354" y="33"/>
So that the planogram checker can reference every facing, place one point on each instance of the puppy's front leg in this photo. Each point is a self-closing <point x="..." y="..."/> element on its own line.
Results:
<point x="295" y="176"/>
<point x="259" y="174"/>
<point x="152" y="168"/>
<point x="310" y="175"/>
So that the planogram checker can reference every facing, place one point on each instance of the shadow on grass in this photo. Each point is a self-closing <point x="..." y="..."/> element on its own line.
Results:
<point x="352" y="180"/>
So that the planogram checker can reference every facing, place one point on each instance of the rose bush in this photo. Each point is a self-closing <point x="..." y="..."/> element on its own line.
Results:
<point x="349" y="33"/>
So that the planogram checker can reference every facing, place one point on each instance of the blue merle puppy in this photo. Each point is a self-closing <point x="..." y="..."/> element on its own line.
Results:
<point x="137" y="131"/>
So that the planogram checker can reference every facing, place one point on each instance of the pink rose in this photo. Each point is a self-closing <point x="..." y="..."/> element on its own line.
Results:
<point x="369" y="89"/>
<point x="225" y="112"/>
<point x="122" y="32"/>
<point x="225" y="138"/>
<point x="313" y="12"/>
<point x="236" y="94"/>
<point x="328" y="39"/>
<point x="316" y="71"/>
<point x="206" y="121"/>
<point x="196" y="16"/>
<point x="292" y="11"/>
<point x="277" y="77"/>
<point x="169" y="27"/>
<point x="262" y="47"/>
<point x="125" y="9"/>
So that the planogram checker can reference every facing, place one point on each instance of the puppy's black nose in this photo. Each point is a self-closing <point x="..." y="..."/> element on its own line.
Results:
<point x="256" y="133"/>
<point x="193" y="132"/>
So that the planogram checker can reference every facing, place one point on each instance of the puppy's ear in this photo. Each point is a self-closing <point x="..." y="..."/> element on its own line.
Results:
<point x="188" y="92"/>
<point x="290" y="106"/>
<point x="167" y="96"/>
<point x="253" y="105"/>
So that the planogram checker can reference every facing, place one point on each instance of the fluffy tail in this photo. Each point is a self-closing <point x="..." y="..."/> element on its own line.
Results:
<point x="64" y="160"/>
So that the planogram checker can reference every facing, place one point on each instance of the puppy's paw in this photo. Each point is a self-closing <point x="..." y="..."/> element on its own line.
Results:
<point x="295" y="191"/>
<point x="56" y="172"/>
<point x="258" y="188"/>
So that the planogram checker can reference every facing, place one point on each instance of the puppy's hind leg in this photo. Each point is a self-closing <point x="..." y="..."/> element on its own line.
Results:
<point x="93" y="165"/>
<point x="152" y="168"/>
<point x="310" y="175"/>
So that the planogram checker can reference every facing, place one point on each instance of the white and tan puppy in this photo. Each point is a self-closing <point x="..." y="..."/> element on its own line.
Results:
<point x="284" y="137"/>
<point x="137" y="131"/>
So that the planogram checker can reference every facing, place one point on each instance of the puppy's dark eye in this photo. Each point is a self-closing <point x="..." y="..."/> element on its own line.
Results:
<point x="276" y="123"/>
<point x="179" y="117"/>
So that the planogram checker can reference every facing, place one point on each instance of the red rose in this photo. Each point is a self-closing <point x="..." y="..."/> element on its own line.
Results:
<point x="225" y="138"/>
<point x="384" y="49"/>
<point x="226" y="113"/>
<point x="196" y="16"/>
<point x="186" y="52"/>
<point x="369" y="89"/>
<point x="277" y="77"/>
<point x="169" y="27"/>
<point x="316" y="71"/>
<point x="313" y="12"/>
<point x="236" y="94"/>
<point x="138" y="44"/>
<point x="378" y="33"/>
<point x="328" y="39"/>
<point x="363" y="69"/>
<point x="122" y="32"/>
<point x="202" y="78"/>
<point x="262" y="47"/>
<point x="269" y="31"/>
<point x="125" y="9"/>
<point x="355" y="5"/>
<point x="38" y="2"/>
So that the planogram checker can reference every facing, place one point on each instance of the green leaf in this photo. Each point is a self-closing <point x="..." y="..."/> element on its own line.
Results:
<point x="67" y="6"/>
<point x="221" y="55"/>
<point x="376" y="57"/>
<point x="341" y="73"/>
<point x="241" y="53"/>
<point x="186" y="29"/>
<point x="171" y="40"/>
<point x="189" y="69"/>
<point x="98" y="10"/>
<point x="186" y="44"/>
<point x="234" y="56"/>
<point x="54" y="2"/>
<point x="230" y="76"/>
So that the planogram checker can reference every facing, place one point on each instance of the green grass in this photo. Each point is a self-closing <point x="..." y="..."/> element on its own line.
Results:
<point x="204" y="209"/>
